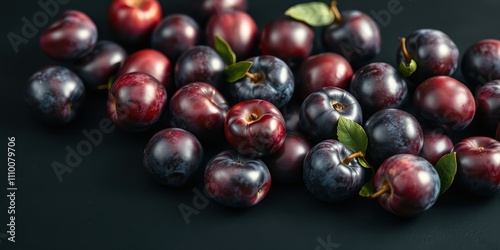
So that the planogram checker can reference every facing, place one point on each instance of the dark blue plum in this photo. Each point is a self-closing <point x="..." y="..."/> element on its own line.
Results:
<point x="272" y="81"/>
<point x="433" y="51"/>
<point x="378" y="86"/>
<point x="56" y="94"/>
<point x="327" y="177"/>
<point x="99" y="66"/>
<point x="481" y="62"/>
<point x="172" y="156"/>
<point x="391" y="132"/>
<point x="200" y="63"/>
<point x="175" y="34"/>
<point x="320" y="112"/>
<point x="355" y="36"/>
<point x="234" y="180"/>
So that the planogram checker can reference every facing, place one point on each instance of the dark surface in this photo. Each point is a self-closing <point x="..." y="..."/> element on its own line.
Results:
<point x="109" y="202"/>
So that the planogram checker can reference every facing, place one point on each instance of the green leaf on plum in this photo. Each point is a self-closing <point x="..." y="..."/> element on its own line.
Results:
<point x="225" y="51"/>
<point x="313" y="13"/>
<point x="352" y="135"/>
<point x="237" y="71"/>
<point x="368" y="189"/>
<point x="407" y="69"/>
<point x="447" y="169"/>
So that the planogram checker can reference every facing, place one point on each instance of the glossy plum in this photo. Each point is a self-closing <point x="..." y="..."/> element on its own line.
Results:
<point x="377" y="86"/>
<point x="173" y="156"/>
<point x="200" y="64"/>
<point x="100" y="66"/>
<point x="444" y="102"/>
<point x="204" y="9"/>
<point x="478" y="165"/>
<point x="70" y="37"/>
<point x="132" y="21"/>
<point x="286" y="164"/>
<point x="238" y="28"/>
<point x="488" y="103"/>
<point x="391" y="132"/>
<point x="151" y="62"/>
<point x="355" y="36"/>
<point x="271" y="80"/>
<point x="255" y="128"/>
<point x="56" y="94"/>
<point x="327" y="176"/>
<point x="234" y="180"/>
<point x="321" y="111"/>
<point x="409" y="185"/>
<point x="136" y="101"/>
<point x="199" y="108"/>
<point x="481" y="62"/>
<point x="175" y="34"/>
<point x="323" y="70"/>
<point x="287" y="39"/>
<point x="436" y="145"/>
<point x="434" y="52"/>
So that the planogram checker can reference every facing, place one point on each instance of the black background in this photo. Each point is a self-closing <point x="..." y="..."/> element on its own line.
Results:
<point x="109" y="202"/>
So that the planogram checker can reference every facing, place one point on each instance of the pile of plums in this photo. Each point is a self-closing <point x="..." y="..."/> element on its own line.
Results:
<point x="280" y="120"/>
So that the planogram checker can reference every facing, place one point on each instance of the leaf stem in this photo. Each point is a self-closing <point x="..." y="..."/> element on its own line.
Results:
<point x="349" y="158"/>
<point x="336" y="12"/>
<point x="407" y="56"/>
<point x="385" y="187"/>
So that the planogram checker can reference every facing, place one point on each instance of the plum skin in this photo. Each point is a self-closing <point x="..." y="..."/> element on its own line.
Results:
<point x="414" y="184"/>
<point x="481" y="62"/>
<point x="199" y="108"/>
<point x="72" y="36"/>
<point x="326" y="177"/>
<point x="478" y="165"/>
<point x="276" y="84"/>
<point x="56" y="94"/>
<point x="234" y="180"/>
<point x="391" y="132"/>
<point x="434" y="52"/>
<point x="321" y="110"/>
<point x="444" y="102"/>
<point x="199" y="63"/>
<point x="172" y="156"/>
<point x="378" y="86"/>
<point x="136" y="101"/>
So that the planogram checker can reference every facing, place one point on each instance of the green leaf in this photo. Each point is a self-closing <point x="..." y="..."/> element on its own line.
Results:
<point x="313" y="13"/>
<point x="237" y="71"/>
<point x="352" y="135"/>
<point x="363" y="163"/>
<point x="407" y="69"/>
<point x="368" y="189"/>
<point x="447" y="168"/>
<point x="225" y="51"/>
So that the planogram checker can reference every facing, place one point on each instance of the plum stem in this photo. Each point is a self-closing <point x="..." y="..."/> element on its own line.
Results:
<point x="336" y="12"/>
<point x="385" y="187"/>
<point x="338" y="106"/>
<point x="255" y="77"/>
<point x="349" y="158"/>
<point x="407" y="56"/>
